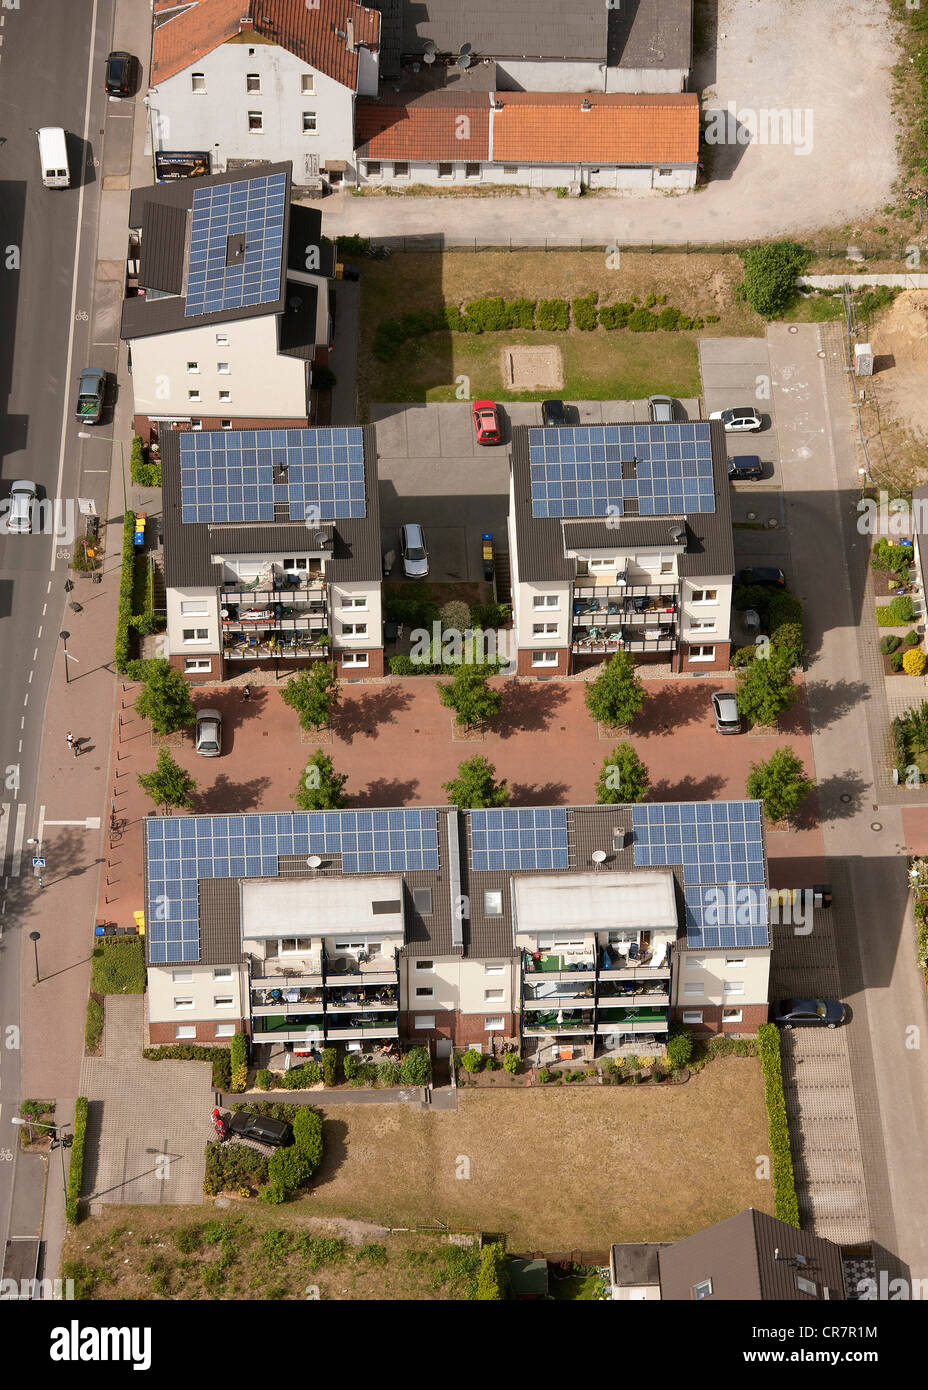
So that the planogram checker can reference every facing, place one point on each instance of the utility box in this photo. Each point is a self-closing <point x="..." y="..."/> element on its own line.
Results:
<point x="863" y="359"/>
<point x="821" y="895"/>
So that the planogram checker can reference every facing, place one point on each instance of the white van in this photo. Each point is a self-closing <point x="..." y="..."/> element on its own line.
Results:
<point x="53" y="154"/>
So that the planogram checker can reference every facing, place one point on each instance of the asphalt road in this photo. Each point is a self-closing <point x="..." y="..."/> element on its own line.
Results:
<point x="50" y="74"/>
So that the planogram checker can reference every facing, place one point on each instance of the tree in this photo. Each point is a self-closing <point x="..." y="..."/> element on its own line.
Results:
<point x="313" y="694"/>
<point x="770" y="276"/>
<point x="168" y="784"/>
<point x="416" y="1067"/>
<point x="475" y="786"/>
<point x="165" y="699"/>
<point x="616" y="695"/>
<point x="470" y="696"/>
<point x="623" y="778"/>
<point x="320" y="787"/>
<point x="765" y="688"/>
<point x="780" y="783"/>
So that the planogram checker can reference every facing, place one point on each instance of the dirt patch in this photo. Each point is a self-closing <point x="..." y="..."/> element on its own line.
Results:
<point x="532" y="369"/>
<point x="896" y="396"/>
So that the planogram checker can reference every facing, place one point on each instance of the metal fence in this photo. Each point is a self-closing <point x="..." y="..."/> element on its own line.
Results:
<point x="441" y="243"/>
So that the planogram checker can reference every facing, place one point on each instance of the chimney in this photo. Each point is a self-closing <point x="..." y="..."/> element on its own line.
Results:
<point x="246" y="22"/>
<point x="585" y="105"/>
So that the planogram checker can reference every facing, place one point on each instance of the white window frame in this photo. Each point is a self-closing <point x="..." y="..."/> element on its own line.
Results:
<point x="224" y="1030"/>
<point x="732" y="986"/>
<point x="314" y="128"/>
<point x="544" y="629"/>
<point x="494" y="967"/>
<point x="193" y="395"/>
<point x="701" y="653"/>
<point x="692" y="1015"/>
<point x="356" y="601"/>
<point x="703" y="625"/>
<point x="185" y="1032"/>
<point x="198" y="84"/>
<point x="546" y="601"/>
<point x="445" y="169"/>
<point x="222" y="340"/>
<point x="196" y="424"/>
<point x="225" y="397"/>
<point x="197" y="663"/>
<point x="200" y="635"/>
<point x="692" y="964"/>
<point x="469" y="166"/>
<point x="735" y="962"/>
<point x="250" y="118"/>
<point x="225" y="424"/>
<point x="193" y="369"/>
<point x="696" y="988"/>
<point x="223" y="1001"/>
<point x="423" y="1021"/>
<point x="182" y="1002"/>
<point x="424" y="967"/>
<point x="182" y="977"/>
<point x="732" y="1016"/>
<point x="354" y="629"/>
<point x="705" y="598"/>
<point x="494" y="1023"/>
<point x="703" y="1289"/>
<point x="492" y="896"/>
<point x="373" y="168"/>
<point x="252" y="84"/>
<point x="223" y="368"/>
<point x="297" y="950"/>
<point x="425" y="992"/>
<point x="222" y="972"/>
<point x="593" y="565"/>
<point x="398" y="165"/>
<point x="194" y="608"/>
<point x="307" y="84"/>
<point x="494" y="996"/>
<point x="354" y="659"/>
<point x="545" y="656"/>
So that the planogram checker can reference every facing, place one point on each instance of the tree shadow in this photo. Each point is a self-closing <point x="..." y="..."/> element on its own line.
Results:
<point x="675" y="707"/>
<point x="687" y="789"/>
<point x="527" y="709"/>
<point x="825" y="802"/>
<point x="226" y="797"/>
<point x="366" y="715"/>
<point x="533" y="794"/>
<point x="385" y="792"/>
<point x="828" y="701"/>
<point x="335" y="1135"/>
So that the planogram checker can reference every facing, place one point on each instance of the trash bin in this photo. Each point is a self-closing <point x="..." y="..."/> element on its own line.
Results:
<point x="821" y="895"/>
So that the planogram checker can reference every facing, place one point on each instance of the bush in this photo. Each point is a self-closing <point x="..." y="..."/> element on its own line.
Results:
<point x="897" y="613"/>
<point x="912" y="638"/>
<point x="351" y="247"/>
<point x="897" y="559"/>
<point x="329" y="1065"/>
<point x="784" y="1187"/>
<point x="493" y="1279"/>
<point x="913" y="661"/>
<point x="350" y="1066"/>
<point x="642" y="321"/>
<point x="405" y="666"/>
<point x="490" y="615"/>
<point x="616" y="315"/>
<point x="416" y="1067"/>
<point x="238" y="1058"/>
<point x="93" y="1024"/>
<point x="230" y="1166"/>
<point x="193" y="1052"/>
<point x="789" y="638"/>
<point x="521" y="313"/>
<point x="584" y="314"/>
<point x="679" y="1045"/>
<point x="712" y="318"/>
<point x="455" y="616"/>
<point x="389" y="1073"/>
<point x="472" y="1060"/>
<point x="76" y="1164"/>
<point x="544" y="1076"/>
<point x="669" y="319"/>
<point x="770" y="276"/>
<point x="511" y="1062"/>
<point x="308" y="1136"/>
<point x="143" y="474"/>
<point x="324" y="379"/>
<point x="289" y="1169"/>
<point x="889" y="643"/>
<point x="742" y="656"/>
<point x="553" y="315"/>
<point x="895" y="661"/>
<point x="264" y="1079"/>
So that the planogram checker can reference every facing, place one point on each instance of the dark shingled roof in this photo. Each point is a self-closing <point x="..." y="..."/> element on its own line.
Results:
<point x="306" y="231"/>
<point x="651" y="34"/>
<point x="634" y="1265"/>
<point x="540" y="541"/>
<point x="161" y="261"/>
<point x="189" y="546"/>
<point x="296" y="326"/>
<point x="738" y="1256"/>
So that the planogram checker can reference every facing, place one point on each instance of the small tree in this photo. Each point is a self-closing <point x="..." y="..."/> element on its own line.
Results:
<point x="320" y="787"/>
<point x="455" y="616"/>
<point x="616" y="695"/>
<point x="470" y="696"/>
<point x="472" y="1060"/>
<point x="623" y="778"/>
<point x="313" y="694"/>
<point x="165" y="699"/>
<point x="416" y="1067"/>
<point x="168" y="784"/>
<point x="765" y="688"/>
<point x="780" y="783"/>
<point x="679" y="1045"/>
<point x="770" y="276"/>
<point x="475" y="786"/>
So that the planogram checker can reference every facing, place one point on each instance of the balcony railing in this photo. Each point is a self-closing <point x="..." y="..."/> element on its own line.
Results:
<point x="277" y="972"/>
<point x="362" y="1034"/>
<point x="350" y="971"/>
<point x="632" y="1029"/>
<point x="558" y="1001"/>
<point x="260" y="598"/>
<point x="267" y="645"/>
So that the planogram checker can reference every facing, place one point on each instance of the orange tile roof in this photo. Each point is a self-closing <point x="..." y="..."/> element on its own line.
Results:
<point x="197" y="28"/>
<point x="551" y="128"/>
<point x="446" y="128"/>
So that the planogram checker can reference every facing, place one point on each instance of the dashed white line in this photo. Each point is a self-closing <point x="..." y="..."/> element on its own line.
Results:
<point x="39" y="633"/>
<point x="44" y="609"/>
<point x="31" y="674"/>
<point x="26" y="701"/>
<point x="35" y="654"/>
<point x="49" y="589"/>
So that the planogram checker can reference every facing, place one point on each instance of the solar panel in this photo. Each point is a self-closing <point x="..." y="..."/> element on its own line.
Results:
<point x="506" y="838"/>
<point x="182" y="850"/>
<point x="247" y="270"/>
<point x="229" y="476"/>
<point x="578" y="471"/>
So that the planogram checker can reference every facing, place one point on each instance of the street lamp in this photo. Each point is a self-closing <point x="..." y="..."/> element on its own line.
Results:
<point x="58" y="1141"/>
<point x="64" y="637"/>
<point x="34" y="938"/>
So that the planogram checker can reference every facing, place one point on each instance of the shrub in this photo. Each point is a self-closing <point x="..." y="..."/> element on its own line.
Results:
<point x="679" y="1045"/>
<point x="238" y="1058"/>
<point x="76" y="1164"/>
<point x="712" y="318"/>
<point x="490" y="615"/>
<point x="308" y="1136"/>
<point x="889" y="643"/>
<point x="416" y="1067"/>
<point x="389" y="1073"/>
<point x="898" y="612"/>
<point x="493" y="1279"/>
<point x="552" y="316"/>
<point x="492" y="1064"/>
<point x="264" y="1079"/>
<point x="895" y="661"/>
<point x="455" y="616"/>
<point x="742" y="656"/>
<point x="521" y="313"/>
<point x="511" y="1062"/>
<point x="229" y="1166"/>
<point x="329" y="1063"/>
<point x="912" y="638"/>
<point x="583" y="311"/>
<point x="405" y="666"/>
<point x="770" y="276"/>
<point x="289" y="1168"/>
<point x="194" y="1052"/>
<point x="350" y="1066"/>
<point x="187" y="1239"/>
<point x="913" y="661"/>
<point x="784" y="1187"/>
<point x="351" y="247"/>
<point x="789" y="639"/>
<point x="897" y="559"/>
<point x="488" y="315"/>
<point x="650" y="300"/>
<point x="669" y="319"/>
<point x="642" y="321"/>
<point x="143" y="474"/>
<point x="93" y="1024"/>
<point x="472" y="1060"/>
<point x="544" y="1076"/>
<point x="616" y="315"/>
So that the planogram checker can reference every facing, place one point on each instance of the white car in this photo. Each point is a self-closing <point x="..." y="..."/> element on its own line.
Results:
<point x="22" y="496"/>
<point x="725" y="708"/>
<point x="739" y="419"/>
<point x="415" y="551"/>
<point x="209" y="733"/>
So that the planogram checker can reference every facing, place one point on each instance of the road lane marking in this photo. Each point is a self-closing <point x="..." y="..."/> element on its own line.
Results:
<point x="88" y="823"/>
<point x="18" y="837"/>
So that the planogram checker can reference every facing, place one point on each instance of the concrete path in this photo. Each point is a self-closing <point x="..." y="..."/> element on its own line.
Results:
<point x="325" y="1099"/>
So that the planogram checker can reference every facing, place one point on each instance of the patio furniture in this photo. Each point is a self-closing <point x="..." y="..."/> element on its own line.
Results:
<point x="634" y="951"/>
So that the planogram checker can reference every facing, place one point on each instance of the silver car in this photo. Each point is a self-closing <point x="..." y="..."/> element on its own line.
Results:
<point x="209" y="733"/>
<point x="660" y="409"/>
<point x="22" y="496"/>
<point x="725" y="708"/>
<point x="415" y="551"/>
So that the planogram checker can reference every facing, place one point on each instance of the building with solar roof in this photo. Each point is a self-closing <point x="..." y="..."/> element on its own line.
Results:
<point x="574" y="931"/>
<point x="272" y="551"/>
<point x="620" y="539"/>
<point x="227" y="307"/>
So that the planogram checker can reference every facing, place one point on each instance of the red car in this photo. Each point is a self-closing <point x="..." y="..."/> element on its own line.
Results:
<point x="486" y="423"/>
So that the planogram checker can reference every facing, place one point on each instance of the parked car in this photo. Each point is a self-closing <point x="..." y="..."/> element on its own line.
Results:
<point x="90" y="392"/>
<point x="660" y="409"/>
<point x="414" y="550"/>
<point x="740" y="419"/>
<point x="553" y="413"/>
<point x="725" y="708"/>
<point x="745" y="467"/>
<point x="209" y="733"/>
<point x="486" y="422"/>
<point x="247" y="1125"/>
<point x="120" y="69"/>
<point x="19" y="519"/>
<point x="762" y="575"/>
<point x="808" y="1013"/>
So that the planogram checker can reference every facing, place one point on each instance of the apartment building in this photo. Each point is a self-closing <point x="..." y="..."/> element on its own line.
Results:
<point x="227" y="305"/>
<point x="575" y="931"/>
<point x="272" y="551"/>
<point x="620" y="539"/>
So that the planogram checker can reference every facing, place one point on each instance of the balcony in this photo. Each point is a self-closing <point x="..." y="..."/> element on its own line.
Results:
<point x="268" y="644"/>
<point x="628" y="994"/>
<point x="638" y="617"/>
<point x="361" y="1027"/>
<point x="558" y="967"/>
<point x="279" y="617"/>
<point x="370" y="1000"/>
<point x="637" y="959"/>
<point x="287" y="1000"/>
<point x="559" y="1022"/>
<point x="298" y="972"/>
<point x="571" y="996"/>
<point x="263" y="597"/>
<point x="633" y="1028"/>
<point x="349" y="971"/>
<point x="283" y="1028"/>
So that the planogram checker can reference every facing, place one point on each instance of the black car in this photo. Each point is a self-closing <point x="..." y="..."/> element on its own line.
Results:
<point x="120" y="68"/>
<point x="809" y="1013"/>
<point x="773" y="577"/>
<point x="261" y="1127"/>
<point x="745" y="466"/>
<point x="553" y="413"/>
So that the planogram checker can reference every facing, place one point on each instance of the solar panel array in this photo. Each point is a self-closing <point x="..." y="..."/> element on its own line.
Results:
<point x="578" y="471"/>
<point x="255" y="209"/>
<point x="181" y="850"/>
<point x="721" y="850"/>
<point x="534" y="838"/>
<point x="229" y="475"/>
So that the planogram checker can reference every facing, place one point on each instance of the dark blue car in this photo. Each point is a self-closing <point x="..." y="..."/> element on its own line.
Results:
<point x="808" y="1013"/>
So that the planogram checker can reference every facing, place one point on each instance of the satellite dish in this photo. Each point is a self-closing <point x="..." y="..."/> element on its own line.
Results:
<point x="464" y="60"/>
<point x="313" y="862"/>
<point x="428" y="56"/>
<point x="295" y="301"/>
<point x="466" y="49"/>
<point x="598" y="857"/>
<point x="429" y="50"/>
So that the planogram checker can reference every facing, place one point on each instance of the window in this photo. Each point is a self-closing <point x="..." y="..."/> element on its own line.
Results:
<point x="693" y="989"/>
<point x="373" y="169"/>
<point x="692" y="1015"/>
<point x="601" y="564"/>
<point x="225" y="1030"/>
<point x="252" y="82"/>
<point x="197" y="663"/>
<point x="732" y="986"/>
<point x="546" y="601"/>
<point x="472" y="171"/>
<point x="225" y="395"/>
<point x="425" y="992"/>
<point x="734" y="962"/>
<point x="225" y="424"/>
<point x="183" y="1003"/>
<point x="184" y="1030"/>
<point x="422" y="897"/>
<point x="222" y="339"/>
<point x="354" y="658"/>
<point x="494" y="1023"/>
<point x="494" y="967"/>
<point x="806" y="1286"/>
<point x="703" y="1289"/>
<point x="193" y="395"/>
<point x="401" y="169"/>
<point x="544" y="629"/>
<point x="354" y="629"/>
<point x="294" y="945"/>
<point x="544" y="658"/>
<point x="222" y="972"/>
<point x="193" y="367"/>
<point x="198" y="82"/>
<point x="196" y="634"/>
<point x="664" y="173"/>
<point x="223" y="1001"/>
<point x="182" y="977"/>
<point x="731" y="1015"/>
<point x="702" y="653"/>
<point x="299" y="563"/>
<point x="692" y="964"/>
<point x="307" y="83"/>
<point x="493" y="996"/>
<point x="424" y="966"/>
<point x="358" y="601"/>
<point x="255" y="122"/>
<point x="309" y="122"/>
<point x="222" y="368"/>
<point x="493" y="903"/>
<point x="666" y="566"/>
<point x="445" y="169"/>
<point x="703" y="625"/>
<point x="196" y="424"/>
<point x="510" y="168"/>
<point x="194" y="605"/>
<point x="705" y="596"/>
<point x="424" y="1021"/>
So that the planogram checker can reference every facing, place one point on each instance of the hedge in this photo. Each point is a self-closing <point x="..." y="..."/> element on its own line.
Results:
<point x="143" y="474"/>
<point x="231" y="1166"/>
<point x="784" y="1185"/>
<point x="134" y="613"/>
<point x="900" y="611"/>
<point x="553" y="315"/>
<point x="76" y="1166"/>
<point x="93" y="1024"/>
<point x="583" y="312"/>
<point x="493" y="1279"/>
<point x="238" y="1060"/>
<point x="416" y="1067"/>
<point x="220" y="1057"/>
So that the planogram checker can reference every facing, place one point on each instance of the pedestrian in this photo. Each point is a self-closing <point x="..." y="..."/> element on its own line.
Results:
<point x="70" y="739"/>
<point x="246" y="693"/>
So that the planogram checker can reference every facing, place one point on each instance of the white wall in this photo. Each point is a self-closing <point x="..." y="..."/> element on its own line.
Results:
<point x="458" y="985"/>
<point x="263" y="384"/>
<point x="706" y="973"/>
<point x="719" y="611"/>
<point x="544" y="75"/>
<point x="528" y="615"/>
<point x="199" y="983"/>
<point x="217" y="120"/>
<point x="529" y="175"/>
<point x="646" y="79"/>
<point x="371" y="614"/>
<point x="178" y="620"/>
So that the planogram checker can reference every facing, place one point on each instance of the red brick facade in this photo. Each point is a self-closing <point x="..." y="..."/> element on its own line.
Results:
<point x="163" y="1033"/>
<point x="698" y="668"/>
<point x="374" y="665"/>
<point x="526" y="668"/>
<point x="145" y="427"/>
<point x="210" y="677"/>
<point x="752" y="1016"/>
<point x="219" y="671"/>
<point x="462" y="1029"/>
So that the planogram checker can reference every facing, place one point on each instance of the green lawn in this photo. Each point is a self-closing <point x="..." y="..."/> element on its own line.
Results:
<point x="586" y="1287"/>
<point x="118" y="966"/>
